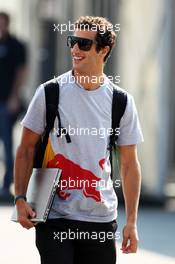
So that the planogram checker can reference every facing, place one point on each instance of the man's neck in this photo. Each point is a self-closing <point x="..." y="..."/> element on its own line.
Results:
<point x="4" y="36"/>
<point x="89" y="81"/>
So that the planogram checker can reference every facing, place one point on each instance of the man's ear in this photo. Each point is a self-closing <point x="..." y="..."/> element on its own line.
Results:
<point x="104" y="50"/>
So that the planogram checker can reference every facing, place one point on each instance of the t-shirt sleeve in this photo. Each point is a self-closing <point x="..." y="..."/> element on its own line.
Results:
<point x="130" y="130"/>
<point x="35" y="118"/>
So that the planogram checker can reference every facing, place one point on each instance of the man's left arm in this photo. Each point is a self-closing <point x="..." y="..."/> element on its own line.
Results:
<point x="131" y="184"/>
<point x="13" y="102"/>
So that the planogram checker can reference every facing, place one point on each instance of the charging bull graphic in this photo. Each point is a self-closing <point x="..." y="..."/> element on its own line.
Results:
<point x="75" y="177"/>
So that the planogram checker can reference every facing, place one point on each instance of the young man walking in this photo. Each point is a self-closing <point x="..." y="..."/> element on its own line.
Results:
<point x="85" y="102"/>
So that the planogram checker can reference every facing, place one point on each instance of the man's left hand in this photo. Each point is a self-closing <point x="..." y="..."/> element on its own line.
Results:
<point x="130" y="239"/>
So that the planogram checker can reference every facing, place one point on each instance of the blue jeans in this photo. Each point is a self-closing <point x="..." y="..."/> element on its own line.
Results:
<point x="6" y="127"/>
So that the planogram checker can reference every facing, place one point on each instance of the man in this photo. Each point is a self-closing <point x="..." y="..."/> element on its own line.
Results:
<point x="84" y="103"/>
<point x="12" y="61"/>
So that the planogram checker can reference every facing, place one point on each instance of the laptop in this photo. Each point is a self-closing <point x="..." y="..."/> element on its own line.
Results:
<point x="40" y="192"/>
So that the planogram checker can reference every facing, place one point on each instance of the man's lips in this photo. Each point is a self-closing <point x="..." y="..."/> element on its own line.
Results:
<point x="77" y="58"/>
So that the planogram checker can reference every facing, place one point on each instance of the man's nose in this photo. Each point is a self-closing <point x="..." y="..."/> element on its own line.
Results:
<point x="75" y="47"/>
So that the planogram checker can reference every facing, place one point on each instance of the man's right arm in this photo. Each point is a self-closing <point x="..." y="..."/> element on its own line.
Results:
<point x="22" y="171"/>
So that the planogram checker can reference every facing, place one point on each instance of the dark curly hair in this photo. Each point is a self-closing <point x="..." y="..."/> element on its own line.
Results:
<point x="105" y="35"/>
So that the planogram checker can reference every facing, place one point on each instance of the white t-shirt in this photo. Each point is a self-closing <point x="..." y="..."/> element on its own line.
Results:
<point x="87" y="192"/>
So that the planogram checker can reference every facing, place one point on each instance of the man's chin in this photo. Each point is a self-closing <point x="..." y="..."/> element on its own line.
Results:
<point x="78" y="66"/>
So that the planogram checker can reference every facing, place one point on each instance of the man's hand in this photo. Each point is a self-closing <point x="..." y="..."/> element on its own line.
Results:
<point x="130" y="239"/>
<point x="13" y="104"/>
<point x="22" y="171"/>
<point x="25" y="212"/>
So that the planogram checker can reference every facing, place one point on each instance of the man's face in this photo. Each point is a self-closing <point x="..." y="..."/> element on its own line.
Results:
<point x="3" y="27"/>
<point x="86" y="61"/>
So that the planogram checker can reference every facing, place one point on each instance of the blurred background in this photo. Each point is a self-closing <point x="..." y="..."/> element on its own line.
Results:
<point x="144" y="62"/>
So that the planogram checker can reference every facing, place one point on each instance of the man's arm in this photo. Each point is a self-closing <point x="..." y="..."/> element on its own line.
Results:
<point x="13" y="102"/>
<point x="131" y="184"/>
<point x="19" y="60"/>
<point x="22" y="171"/>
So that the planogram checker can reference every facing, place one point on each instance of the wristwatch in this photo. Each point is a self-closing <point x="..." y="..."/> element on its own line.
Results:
<point x="19" y="197"/>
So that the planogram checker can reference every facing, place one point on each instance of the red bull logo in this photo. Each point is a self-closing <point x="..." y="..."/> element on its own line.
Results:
<point x="75" y="177"/>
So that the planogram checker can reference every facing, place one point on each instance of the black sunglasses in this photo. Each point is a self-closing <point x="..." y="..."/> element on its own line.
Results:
<point x="83" y="43"/>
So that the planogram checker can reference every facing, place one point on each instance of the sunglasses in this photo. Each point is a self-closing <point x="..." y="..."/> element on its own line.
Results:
<point x="83" y="43"/>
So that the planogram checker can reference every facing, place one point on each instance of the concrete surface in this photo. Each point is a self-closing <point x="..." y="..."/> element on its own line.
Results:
<point x="157" y="239"/>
